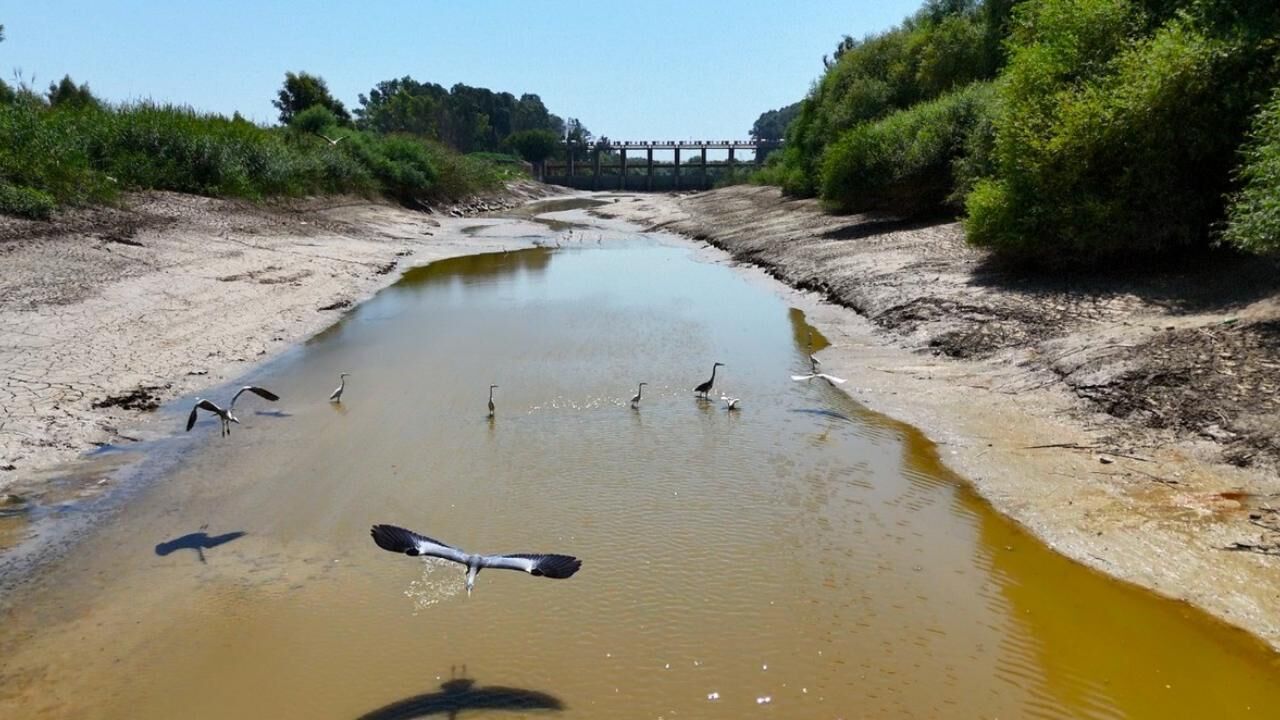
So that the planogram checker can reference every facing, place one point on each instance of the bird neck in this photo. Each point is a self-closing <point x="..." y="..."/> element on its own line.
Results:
<point x="713" y="372"/>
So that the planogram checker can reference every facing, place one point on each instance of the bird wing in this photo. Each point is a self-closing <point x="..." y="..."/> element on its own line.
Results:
<point x="191" y="419"/>
<point x="802" y="377"/>
<point x="260" y="392"/>
<point x="552" y="566"/>
<point x="832" y="379"/>
<point x="336" y="392"/>
<point x="399" y="540"/>
<point x="202" y="405"/>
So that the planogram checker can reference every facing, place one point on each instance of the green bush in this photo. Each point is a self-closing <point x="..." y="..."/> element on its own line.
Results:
<point x="904" y="162"/>
<point x="1254" y="216"/>
<point x="1116" y="129"/>
<point x="76" y="153"/>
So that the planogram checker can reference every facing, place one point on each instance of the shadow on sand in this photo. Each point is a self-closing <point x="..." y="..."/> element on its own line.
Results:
<point x="198" y="541"/>
<point x="461" y="694"/>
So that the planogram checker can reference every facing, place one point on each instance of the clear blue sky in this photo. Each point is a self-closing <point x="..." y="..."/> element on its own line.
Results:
<point x="633" y="70"/>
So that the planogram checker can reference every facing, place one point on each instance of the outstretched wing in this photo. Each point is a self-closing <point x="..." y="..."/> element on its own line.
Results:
<point x="399" y="540"/>
<point x="202" y="405"/>
<point x="802" y="377"/>
<point x="260" y="392"/>
<point x="832" y="379"/>
<point x="552" y="566"/>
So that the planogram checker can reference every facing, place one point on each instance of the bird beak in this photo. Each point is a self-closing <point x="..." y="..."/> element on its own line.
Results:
<point x="234" y="419"/>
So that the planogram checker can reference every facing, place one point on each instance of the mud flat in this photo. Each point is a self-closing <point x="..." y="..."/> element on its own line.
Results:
<point x="106" y="313"/>
<point x="1130" y="423"/>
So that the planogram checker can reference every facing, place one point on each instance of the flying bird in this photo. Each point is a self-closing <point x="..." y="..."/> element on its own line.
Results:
<point x="227" y="415"/>
<point x="342" y="385"/>
<point x="635" y="401"/>
<point x="813" y="366"/>
<point x="399" y="540"/>
<point x="491" y="405"/>
<point x="331" y="140"/>
<point x="705" y="387"/>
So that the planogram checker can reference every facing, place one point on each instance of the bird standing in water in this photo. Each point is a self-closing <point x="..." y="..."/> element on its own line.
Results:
<point x="730" y="404"/>
<point x="705" y="387"/>
<point x="491" y="405"/>
<point x="635" y="401"/>
<point x="342" y="385"/>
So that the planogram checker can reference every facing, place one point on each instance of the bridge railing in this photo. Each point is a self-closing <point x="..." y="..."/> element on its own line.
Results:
<point x="606" y="166"/>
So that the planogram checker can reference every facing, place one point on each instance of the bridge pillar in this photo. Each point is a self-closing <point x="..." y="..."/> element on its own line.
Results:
<point x="569" y="168"/>
<point x="731" y="167"/>
<point x="595" y="175"/>
<point x="622" y="175"/>
<point x="648" y="178"/>
<point x="706" y="184"/>
<point x="677" y="168"/>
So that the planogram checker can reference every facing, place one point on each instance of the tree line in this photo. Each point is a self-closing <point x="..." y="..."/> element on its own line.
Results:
<point x="1064" y="132"/>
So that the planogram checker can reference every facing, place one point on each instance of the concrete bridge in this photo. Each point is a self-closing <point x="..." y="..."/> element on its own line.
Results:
<point x="608" y="167"/>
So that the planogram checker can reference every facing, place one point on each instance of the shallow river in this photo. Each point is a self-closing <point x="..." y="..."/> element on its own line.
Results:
<point x="800" y="558"/>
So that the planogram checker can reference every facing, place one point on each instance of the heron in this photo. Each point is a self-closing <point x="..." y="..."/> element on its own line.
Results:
<point x="705" y="387"/>
<point x="399" y="540"/>
<point x="336" y="396"/>
<point x="331" y="140"/>
<point x="227" y="415"/>
<point x="730" y="404"/>
<point x="491" y="405"/>
<point x="635" y="401"/>
<point x="813" y="367"/>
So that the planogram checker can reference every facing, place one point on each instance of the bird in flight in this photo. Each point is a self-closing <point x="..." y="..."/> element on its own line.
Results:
<point x="331" y="140"/>
<point x="705" y="387"/>
<point x="342" y="385"/>
<point x="227" y="415"/>
<point x="813" y="366"/>
<point x="399" y="540"/>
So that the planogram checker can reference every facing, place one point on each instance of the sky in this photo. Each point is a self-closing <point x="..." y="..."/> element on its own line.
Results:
<point x="631" y="71"/>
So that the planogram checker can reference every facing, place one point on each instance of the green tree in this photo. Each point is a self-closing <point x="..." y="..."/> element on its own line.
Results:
<point x="65" y="92"/>
<point x="772" y="125"/>
<point x="534" y="146"/>
<point x="303" y="90"/>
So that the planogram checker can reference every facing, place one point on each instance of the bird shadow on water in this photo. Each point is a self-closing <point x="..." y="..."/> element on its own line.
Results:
<point x="198" y="541"/>
<point x="461" y="694"/>
<point x="273" y="413"/>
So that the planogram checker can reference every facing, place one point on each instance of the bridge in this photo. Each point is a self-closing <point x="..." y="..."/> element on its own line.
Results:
<point x="606" y="166"/>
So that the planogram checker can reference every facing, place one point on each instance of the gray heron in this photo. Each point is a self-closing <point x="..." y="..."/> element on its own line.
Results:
<point x="705" y="387"/>
<point x="336" y="396"/>
<point x="635" y="401"/>
<point x="399" y="540"/>
<point x="227" y="415"/>
<point x="491" y="405"/>
<point x="814" y="373"/>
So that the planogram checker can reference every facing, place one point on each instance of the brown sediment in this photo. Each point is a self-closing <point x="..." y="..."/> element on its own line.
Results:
<point x="1129" y="420"/>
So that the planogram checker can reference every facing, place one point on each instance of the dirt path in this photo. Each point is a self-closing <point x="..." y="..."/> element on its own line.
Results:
<point x="108" y="312"/>
<point x="1131" y="424"/>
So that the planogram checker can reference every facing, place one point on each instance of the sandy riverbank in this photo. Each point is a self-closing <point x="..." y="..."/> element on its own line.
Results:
<point x="106" y="313"/>
<point x="1128" y="423"/>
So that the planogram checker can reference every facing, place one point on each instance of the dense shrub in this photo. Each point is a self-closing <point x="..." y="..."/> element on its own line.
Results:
<point x="1254" y="217"/>
<point x="76" y="153"/>
<point x="1117" y="128"/>
<point x="904" y="162"/>
<point x="947" y="45"/>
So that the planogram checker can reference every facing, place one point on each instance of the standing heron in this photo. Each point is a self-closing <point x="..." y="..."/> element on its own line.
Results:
<point x="227" y="415"/>
<point x="813" y="367"/>
<point x="336" y="396"/>
<point x="705" y="387"/>
<point x="398" y="540"/>
<point x="491" y="405"/>
<point x="635" y="401"/>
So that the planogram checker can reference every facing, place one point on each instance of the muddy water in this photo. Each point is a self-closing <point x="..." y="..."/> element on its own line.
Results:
<point x="801" y="558"/>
